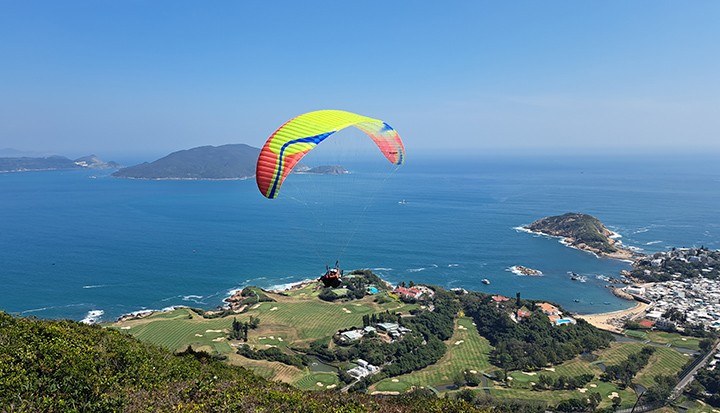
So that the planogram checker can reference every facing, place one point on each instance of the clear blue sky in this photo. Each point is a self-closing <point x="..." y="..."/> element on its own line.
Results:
<point x="151" y="77"/>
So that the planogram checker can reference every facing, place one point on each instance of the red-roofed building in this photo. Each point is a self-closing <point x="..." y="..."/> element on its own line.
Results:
<point x="408" y="292"/>
<point x="499" y="298"/>
<point x="548" y="309"/>
<point x="522" y="313"/>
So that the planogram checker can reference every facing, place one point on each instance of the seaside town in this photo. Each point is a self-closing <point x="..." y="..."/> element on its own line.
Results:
<point x="685" y="295"/>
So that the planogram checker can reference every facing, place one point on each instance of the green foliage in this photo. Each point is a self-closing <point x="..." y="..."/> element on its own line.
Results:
<point x="534" y="342"/>
<point x="59" y="366"/>
<point x="662" y="388"/>
<point x="273" y="354"/>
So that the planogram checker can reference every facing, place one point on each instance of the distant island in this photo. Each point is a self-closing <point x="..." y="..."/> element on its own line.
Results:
<point x="53" y="163"/>
<point x="321" y="170"/>
<point x="584" y="232"/>
<point x="232" y="161"/>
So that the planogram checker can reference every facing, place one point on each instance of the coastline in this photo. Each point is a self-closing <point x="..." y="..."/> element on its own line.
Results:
<point x="604" y="321"/>
<point x="624" y="253"/>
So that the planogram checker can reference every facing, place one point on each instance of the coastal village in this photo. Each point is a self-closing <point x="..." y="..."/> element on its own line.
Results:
<point x="687" y="293"/>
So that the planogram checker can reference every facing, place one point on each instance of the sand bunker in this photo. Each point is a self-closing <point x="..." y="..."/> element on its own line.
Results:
<point x="198" y="335"/>
<point x="219" y="339"/>
<point x="125" y="328"/>
<point x="332" y="386"/>
<point x="346" y="310"/>
<point x="459" y="342"/>
<point x="273" y="309"/>
<point x="256" y="306"/>
<point x="549" y="368"/>
<point x="529" y="373"/>
<point x="613" y="395"/>
<point x="582" y="390"/>
<point x="213" y="331"/>
<point x="320" y="384"/>
<point x="394" y="380"/>
<point x="473" y="371"/>
<point x="593" y="385"/>
<point x="462" y="328"/>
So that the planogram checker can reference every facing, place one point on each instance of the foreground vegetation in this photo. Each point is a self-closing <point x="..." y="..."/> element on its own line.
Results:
<point x="57" y="366"/>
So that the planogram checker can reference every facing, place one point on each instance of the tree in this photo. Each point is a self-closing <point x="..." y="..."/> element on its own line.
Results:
<point x="616" y="402"/>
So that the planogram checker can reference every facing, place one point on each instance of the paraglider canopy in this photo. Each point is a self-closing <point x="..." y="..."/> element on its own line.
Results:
<point x="298" y="136"/>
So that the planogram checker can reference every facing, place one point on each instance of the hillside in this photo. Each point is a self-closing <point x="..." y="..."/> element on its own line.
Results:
<point x="53" y="163"/>
<point x="581" y="231"/>
<point x="54" y="366"/>
<point x="234" y="161"/>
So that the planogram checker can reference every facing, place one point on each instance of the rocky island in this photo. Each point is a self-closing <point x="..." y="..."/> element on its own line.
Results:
<point x="232" y="161"/>
<point x="584" y="232"/>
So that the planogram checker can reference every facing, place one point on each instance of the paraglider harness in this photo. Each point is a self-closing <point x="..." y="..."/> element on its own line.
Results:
<point x="331" y="278"/>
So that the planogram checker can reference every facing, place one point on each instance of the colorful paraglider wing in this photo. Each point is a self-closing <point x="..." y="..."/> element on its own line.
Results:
<point x="284" y="149"/>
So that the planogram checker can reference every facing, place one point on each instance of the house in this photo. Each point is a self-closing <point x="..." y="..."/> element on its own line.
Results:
<point x="522" y="313"/>
<point x="359" y="372"/>
<point x="499" y="298"/>
<point x="388" y="326"/>
<point x="351" y="335"/>
<point x="414" y="293"/>
<point x="548" y="309"/>
<point x="369" y="329"/>
<point x="635" y="289"/>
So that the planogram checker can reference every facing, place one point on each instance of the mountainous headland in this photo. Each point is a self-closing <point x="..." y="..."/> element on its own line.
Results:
<point x="53" y="163"/>
<point x="232" y="161"/>
<point x="584" y="232"/>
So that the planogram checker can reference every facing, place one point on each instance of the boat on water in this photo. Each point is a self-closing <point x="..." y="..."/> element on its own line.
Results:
<point x="576" y="300"/>
<point x="485" y="281"/>
<point x="403" y="202"/>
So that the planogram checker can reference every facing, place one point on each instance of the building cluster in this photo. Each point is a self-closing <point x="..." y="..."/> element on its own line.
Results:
<point x="552" y="312"/>
<point x="698" y="299"/>
<point x="363" y="369"/>
<point x="393" y="330"/>
<point x="414" y="293"/>
<point x="681" y="263"/>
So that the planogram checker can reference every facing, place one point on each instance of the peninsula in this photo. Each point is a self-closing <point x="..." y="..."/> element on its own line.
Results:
<point x="584" y="232"/>
<point x="53" y="163"/>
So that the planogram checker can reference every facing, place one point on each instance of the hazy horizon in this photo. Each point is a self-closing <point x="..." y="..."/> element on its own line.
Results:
<point x="137" y="79"/>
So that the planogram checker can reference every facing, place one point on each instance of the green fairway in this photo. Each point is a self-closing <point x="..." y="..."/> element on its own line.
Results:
<point x="467" y="350"/>
<point x="318" y="381"/>
<point x="665" y="361"/>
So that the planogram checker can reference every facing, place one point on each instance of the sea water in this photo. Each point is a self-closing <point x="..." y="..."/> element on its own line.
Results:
<point x="85" y="245"/>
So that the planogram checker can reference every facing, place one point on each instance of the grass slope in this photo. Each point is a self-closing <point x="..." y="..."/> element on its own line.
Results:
<point x="59" y="366"/>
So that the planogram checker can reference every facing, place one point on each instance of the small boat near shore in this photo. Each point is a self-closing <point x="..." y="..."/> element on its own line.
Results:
<point x="485" y="281"/>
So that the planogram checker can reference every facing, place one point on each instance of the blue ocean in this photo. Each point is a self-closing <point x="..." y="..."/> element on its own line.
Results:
<point x="75" y="242"/>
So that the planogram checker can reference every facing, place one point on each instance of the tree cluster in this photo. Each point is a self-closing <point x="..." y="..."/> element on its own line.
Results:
<point x="273" y="354"/>
<point x="534" y="342"/>
<point x="239" y="329"/>
<point x="710" y="382"/>
<point x="580" y="404"/>
<point x="547" y="382"/>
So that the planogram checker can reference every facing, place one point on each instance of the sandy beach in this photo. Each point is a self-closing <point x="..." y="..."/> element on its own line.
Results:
<point x="606" y="321"/>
